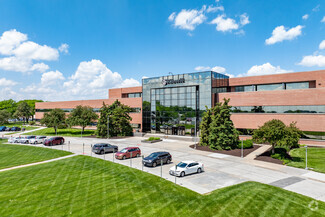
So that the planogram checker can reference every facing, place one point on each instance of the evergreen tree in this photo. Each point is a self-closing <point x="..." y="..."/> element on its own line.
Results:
<point x="204" y="127"/>
<point x="222" y="133"/>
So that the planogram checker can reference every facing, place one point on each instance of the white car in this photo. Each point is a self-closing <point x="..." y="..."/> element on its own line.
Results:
<point x="26" y="140"/>
<point x="14" y="139"/>
<point x="37" y="140"/>
<point x="186" y="167"/>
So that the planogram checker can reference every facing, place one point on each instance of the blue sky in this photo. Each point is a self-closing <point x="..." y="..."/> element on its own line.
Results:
<point x="64" y="50"/>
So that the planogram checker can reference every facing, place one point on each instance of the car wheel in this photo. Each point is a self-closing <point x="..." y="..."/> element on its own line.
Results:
<point x="101" y="152"/>
<point x="182" y="174"/>
<point x="61" y="142"/>
<point x="199" y="170"/>
<point x="138" y="155"/>
<point x="154" y="164"/>
<point x="124" y="157"/>
<point x="168" y="161"/>
<point x="51" y="143"/>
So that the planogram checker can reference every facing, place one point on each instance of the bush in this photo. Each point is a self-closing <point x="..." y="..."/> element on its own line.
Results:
<point x="32" y="123"/>
<point x="248" y="143"/>
<point x="153" y="138"/>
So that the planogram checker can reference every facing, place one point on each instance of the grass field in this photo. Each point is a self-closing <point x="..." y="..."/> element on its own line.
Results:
<point x="14" y="155"/>
<point x="85" y="186"/>
<point x="62" y="132"/>
<point x="316" y="158"/>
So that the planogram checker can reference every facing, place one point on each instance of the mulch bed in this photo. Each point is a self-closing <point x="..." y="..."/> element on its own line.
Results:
<point x="266" y="156"/>
<point x="234" y="152"/>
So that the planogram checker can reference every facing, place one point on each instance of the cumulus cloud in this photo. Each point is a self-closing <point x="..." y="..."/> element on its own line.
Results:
<point x="244" y="19"/>
<point x="322" y="45"/>
<point x="5" y="82"/>
<point x="281" y="33"/>
<point x="187" y="19"/>
<point x="20" y="54"/>
<point x="202" y="68"/>
<point x="313" y="60"/>
<point x="64" y="48"/>
<point x="305" y="17"/>
<point x="212" y="9"/>
<point x="323" y="20"/>
<point x="8" y="93"/>
<point x="51" y="77"/>
<point x="264" y="69"/>
<point x="224" y="24"/>
<point x="218" y="69"/>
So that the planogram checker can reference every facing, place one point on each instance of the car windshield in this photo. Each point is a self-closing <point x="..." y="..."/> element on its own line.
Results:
<point x="124" y="150"/>
<point x="152" y="155"/>
<point x="98" y="145"/>
<point x="182" y="165"/>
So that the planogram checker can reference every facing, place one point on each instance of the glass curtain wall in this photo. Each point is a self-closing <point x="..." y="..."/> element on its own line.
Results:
<point x="173" y="104"/>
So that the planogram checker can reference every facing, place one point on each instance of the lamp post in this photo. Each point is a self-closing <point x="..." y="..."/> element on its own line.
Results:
<point x="195" y="133"/>
<point x="306" y="157"/>
<point x="108" y="126"/>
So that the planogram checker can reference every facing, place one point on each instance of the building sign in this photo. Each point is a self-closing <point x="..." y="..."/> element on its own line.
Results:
<point x="172" y="81"/>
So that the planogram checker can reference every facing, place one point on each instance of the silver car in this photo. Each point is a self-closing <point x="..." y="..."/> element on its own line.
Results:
<point x="102" y="148"/>
<point x="26" y="139"/>
<point x="37" y="140"/>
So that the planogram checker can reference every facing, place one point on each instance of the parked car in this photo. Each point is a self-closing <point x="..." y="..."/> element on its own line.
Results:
<point x="54" y="141"/>
<point x="102" y="148"/>
<point x="155" y="158"/>
<point x="27" y="139"/>
<point x="186" y="167"/>
<point x="128" y="152"/>
<point x="14" y="139"/>
<point x="7" y="129"/>
<point x="2" y="128"/>
<point x="37" y="140"/>
<point x="15" y="129"/>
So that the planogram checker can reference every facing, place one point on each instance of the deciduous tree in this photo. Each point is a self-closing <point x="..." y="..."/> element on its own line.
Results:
<point x="82" y="116"/>
<point x="24" y="111"/>
<point x="4" y="116"/>
<point x="54" y="118"/>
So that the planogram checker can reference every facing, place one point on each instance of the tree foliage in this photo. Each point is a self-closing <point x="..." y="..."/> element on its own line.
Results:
<point x="11" y="105"/>
<point x="81" y="116"/>
<point x="24" y="111"/>
<point x="278" y="134"/>
<point x="4" y="116"/>
<point x="119" y="120"/>
<point x="218" y="131"/>
<point x="54" y="118"/>
<point x="204" y="127"/>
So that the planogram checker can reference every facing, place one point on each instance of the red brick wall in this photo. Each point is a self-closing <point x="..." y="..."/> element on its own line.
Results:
<point x="117" y="93"/>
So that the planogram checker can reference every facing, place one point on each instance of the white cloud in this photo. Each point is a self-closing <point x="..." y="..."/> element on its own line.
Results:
<point x="315" y="9"/>
<point x="305" y="17"/>
<point x="21" y="54"/>
<point x="8" y="93"/>
<point x="92" y="79"/>
<point x="244" y="19"/>
<point x="51" y="77"/>
<point x="280" y="34"/>
<point x="323" y="20"/>
<point x="10" y="40"/>
<point x="5" y="82"/>
<point x="264" y="69"/>
<point x="64" y="48"/>
<point x="225" y="24"/>
<point x="322" y="45"/>
<point x="313" y="60"/>
<point x="188" y="19"/>
<point x="212" y="9"/>
<point x="202" y="68"/>
<point x="218" y="69"/>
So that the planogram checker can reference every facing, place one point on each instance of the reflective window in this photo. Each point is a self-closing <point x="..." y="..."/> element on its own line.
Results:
<point x="279" y="109"/>
<point x="267" y="87"/>
<point x="300" y="85"/>
<point x="245" y="88"/>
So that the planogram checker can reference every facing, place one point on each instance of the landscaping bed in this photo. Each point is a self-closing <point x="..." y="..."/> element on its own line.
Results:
<point x="234" y="152"/>
<point x="152" y="140"/>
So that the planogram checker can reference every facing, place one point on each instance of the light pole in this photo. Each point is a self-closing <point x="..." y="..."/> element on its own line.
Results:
<point x="306" y="157"/>
<point x="195" y="133"/>
<point x="242" y="149"/>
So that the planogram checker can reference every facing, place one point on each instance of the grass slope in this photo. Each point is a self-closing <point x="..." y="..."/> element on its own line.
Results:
<point x="15" y="155"/>
<point x="61" y="132"/>
<point x="316" y="158"/>
<point x="85" y="186"/>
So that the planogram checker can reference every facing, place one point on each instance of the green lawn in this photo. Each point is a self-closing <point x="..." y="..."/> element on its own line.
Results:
<point x="14" y="155"/>
<point x="19" y="124"/>
<point x="85" y="186"/>
<point x="316" y="158"/>
<point x="61" y="132"/>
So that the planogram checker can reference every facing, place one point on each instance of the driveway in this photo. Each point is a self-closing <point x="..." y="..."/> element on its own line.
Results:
<point x="220" y="170"/>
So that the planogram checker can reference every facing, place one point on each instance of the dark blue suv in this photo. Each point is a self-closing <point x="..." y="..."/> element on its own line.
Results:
<point x="2" y="128"/>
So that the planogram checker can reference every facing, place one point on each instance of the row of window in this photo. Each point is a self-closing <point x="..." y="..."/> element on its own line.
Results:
<point x="134" y="110"/>
<point x="267" y="87"/>
<point x="280" y="109"/>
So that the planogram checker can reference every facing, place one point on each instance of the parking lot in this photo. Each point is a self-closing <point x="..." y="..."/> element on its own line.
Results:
<point x="220" y="170"/>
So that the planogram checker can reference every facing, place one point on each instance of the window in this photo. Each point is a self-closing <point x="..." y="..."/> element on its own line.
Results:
<point x="280" y="109"/>
<point x="245" y="88"/>
<point x="300" y="85"/>
<point x="134" y="95"/>
<point x="268" y="87"/>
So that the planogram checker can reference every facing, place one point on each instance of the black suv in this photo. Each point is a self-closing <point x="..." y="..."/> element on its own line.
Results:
<point x="155" y="158"/>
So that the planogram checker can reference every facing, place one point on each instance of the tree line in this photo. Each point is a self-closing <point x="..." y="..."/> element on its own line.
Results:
<point x="83" y="116"/>
<point x="10" y="109"/>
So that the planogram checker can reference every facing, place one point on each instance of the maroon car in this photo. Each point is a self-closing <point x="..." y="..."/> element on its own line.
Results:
<point x="54" y="141"/>
<point x="128" y="152"/>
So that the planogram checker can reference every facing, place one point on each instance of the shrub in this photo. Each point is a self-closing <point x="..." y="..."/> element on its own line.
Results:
<point x="32" y="123"/>
<point x="153" y="138"/>
<point x="248" y="143"/>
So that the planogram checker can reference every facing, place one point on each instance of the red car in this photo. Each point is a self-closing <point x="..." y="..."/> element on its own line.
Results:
<point x="54" y="141"/>
<point x="127" y="152"/>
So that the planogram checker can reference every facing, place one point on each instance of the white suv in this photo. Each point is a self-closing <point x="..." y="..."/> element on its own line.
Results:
<point x="37" y="140"/>
<point x="14" y="139"/>
<point x="186" y="167"/>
